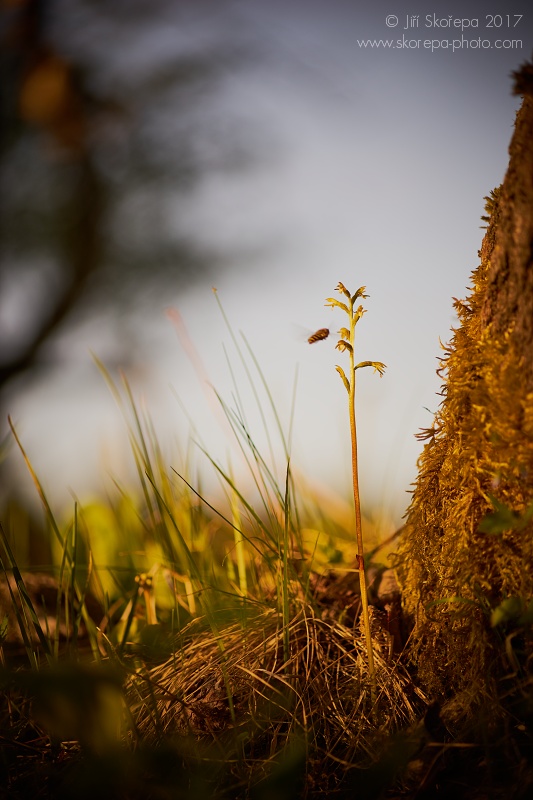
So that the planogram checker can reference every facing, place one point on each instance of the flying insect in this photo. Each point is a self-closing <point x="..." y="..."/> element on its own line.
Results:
<point x="319" y="335"/>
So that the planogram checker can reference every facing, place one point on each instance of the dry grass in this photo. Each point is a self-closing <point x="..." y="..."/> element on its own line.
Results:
<point x="233" y="686"/>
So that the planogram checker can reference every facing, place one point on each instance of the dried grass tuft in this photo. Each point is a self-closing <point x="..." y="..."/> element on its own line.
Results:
<point x="234" y="686"/>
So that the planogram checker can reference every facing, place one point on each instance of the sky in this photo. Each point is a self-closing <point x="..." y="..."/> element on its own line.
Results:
<point x="368" y="165"/>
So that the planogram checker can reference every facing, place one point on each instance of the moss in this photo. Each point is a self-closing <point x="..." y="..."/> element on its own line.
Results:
<point x="479" y="451"/>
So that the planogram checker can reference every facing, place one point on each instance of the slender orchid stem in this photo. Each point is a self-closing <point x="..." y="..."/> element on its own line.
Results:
<point x="347" y="343"/>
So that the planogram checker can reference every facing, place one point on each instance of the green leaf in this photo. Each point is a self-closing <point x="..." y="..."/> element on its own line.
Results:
<point x="504" y="519"/>
<point x="509" y="609"/>
<point x="528" y="515"/>
<point x="526" y="618"/>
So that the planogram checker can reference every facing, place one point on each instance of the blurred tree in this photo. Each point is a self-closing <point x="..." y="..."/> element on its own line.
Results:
<point x="86" y="164"/>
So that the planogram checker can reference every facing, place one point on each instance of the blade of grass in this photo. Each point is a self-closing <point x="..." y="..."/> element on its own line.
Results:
<point x="27" y="604"/>
<point x="247" y="373"/>
<point x="285" y="573"/>
<point x="52" y="521"/>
